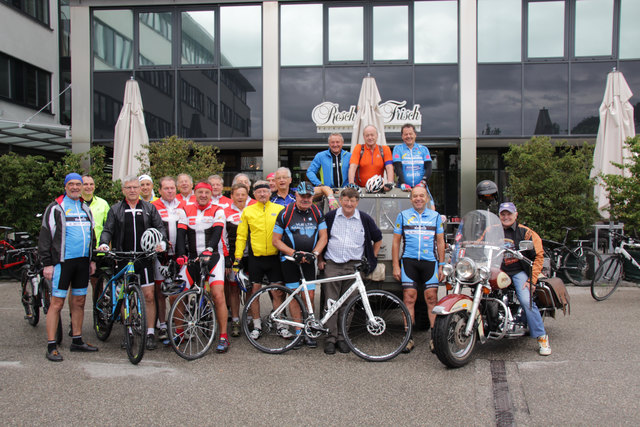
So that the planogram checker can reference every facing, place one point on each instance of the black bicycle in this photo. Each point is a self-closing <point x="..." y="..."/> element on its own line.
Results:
<point x="578" y="264"/>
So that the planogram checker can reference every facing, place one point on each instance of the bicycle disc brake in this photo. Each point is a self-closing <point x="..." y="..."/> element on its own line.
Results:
<point x="377" y="327"/>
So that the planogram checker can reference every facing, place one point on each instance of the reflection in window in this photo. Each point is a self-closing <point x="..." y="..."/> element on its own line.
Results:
<point x="545" y="99"/>
<point x="155" y="38"/>
<point x="629" y="29"/>
<point x="198" y="37"/>
<point x="241" y="36"/>
<point x="439" y="104"/>
<point x="112" y="40"/>
<point x="197" y="109"/>
<point x="390" y="33"/>
<point x="499" y="30"/>
<point x="108" y="91"/>
<point x="301" y="34"/>
<point x="594" y="27"/>
<point x="346" y="34"/>
<point x="157" y="91"/>
<point x="499" y="100"/>
<point x="435" y="31"/>
<point x="545" y="29"/>
<point x="631" y="72"/>
<point x="588" y="81"/>
<point x="240" y="103"/>
<point x="295" y="110"/>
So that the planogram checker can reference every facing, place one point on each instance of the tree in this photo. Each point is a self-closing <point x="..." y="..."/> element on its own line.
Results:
<point x="172" y="156"/>
<point x="550" y="185"/>
<point x="624" y="192"/>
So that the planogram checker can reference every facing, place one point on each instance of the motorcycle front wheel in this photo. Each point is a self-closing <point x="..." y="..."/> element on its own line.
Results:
<point x="452" y="347"/>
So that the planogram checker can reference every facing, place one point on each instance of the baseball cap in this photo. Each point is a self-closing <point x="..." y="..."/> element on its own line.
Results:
<point x="305" y="188"/>
<point x="508" y="206"/>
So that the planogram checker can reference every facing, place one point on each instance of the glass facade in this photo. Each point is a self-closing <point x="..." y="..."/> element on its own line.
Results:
<point x="24" y="84"/>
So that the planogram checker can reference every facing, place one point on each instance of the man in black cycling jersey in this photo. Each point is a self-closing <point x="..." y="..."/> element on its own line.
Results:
<point x="301" y="232"/>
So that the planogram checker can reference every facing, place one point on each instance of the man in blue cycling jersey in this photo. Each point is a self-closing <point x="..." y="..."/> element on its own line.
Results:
<point x="330" y="169"/>
<point x="65" y="246"/>
<point x="412" y="162"/>
<point x="423" y="235"/>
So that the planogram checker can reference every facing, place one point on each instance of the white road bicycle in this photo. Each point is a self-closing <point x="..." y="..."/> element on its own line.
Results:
<point x="376" y="324"/>
<point x="611" y="272"/>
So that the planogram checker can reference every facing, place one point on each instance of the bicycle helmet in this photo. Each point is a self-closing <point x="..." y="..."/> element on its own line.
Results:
<point x="150" y="239"/>
<point x="355" y="187"/>
<point x="242" y="279"/>
<point x="172" y="287"/>
<point x="374" y="184"/>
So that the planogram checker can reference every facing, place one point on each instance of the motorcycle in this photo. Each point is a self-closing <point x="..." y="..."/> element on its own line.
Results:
<point x="492" y="311"/>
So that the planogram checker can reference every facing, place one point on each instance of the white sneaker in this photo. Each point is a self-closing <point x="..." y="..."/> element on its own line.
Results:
<point x="285" y="333"/>
<point x="545" y="348"/>
<point x="255" y="333"/>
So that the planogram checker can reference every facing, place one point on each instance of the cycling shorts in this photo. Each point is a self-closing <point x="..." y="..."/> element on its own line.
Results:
<point x="143" y="268"/>
<point x="417" y="274"/>
<point x="74" y="272"/>
<point x="261" y="266"/>
<point x="291" y="274"/>
<point x="191" y="272"/>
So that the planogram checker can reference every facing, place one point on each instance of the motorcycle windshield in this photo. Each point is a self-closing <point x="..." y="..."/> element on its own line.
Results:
<point x="480" y="237"/>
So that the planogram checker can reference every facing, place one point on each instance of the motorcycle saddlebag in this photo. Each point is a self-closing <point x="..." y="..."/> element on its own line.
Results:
<point x="552" y="292"/>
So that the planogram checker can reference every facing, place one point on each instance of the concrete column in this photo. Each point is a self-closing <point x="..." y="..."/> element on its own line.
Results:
<point x="270" y="84"/>
<point x="80" y="79"/>
<point x="468" y="105"/>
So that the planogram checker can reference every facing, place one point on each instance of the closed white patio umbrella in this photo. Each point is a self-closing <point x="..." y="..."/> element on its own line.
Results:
<point x="130" y="133"/>
<point x="368" y="113"/>
<point x="616" y="125"/>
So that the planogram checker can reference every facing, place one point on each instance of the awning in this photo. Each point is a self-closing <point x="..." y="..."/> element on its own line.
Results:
<point x="36" y="136"/>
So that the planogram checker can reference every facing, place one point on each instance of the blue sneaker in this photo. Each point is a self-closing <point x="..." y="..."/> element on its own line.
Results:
<point x="223" y="345"/>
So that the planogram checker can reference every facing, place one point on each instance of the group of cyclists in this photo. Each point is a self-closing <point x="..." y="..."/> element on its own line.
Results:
<point x="248" y="234"/>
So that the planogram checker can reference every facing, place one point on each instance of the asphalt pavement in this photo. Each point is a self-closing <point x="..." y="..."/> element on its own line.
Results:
<point x="592" y="378"/>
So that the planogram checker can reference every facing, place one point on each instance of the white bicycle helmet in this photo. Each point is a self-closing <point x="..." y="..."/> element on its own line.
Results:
<point x="374" y="184"/>
<point x="150" y="239"/>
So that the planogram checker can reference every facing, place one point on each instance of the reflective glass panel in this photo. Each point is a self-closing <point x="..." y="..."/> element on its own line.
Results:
<point x="629" y="29"/>
<point x="346" y="34"/>
<point x="342" y="86"/>
<point x="390" y="33"/>
<point x="631" y="72"/>
<point x="198" y="104"/>
<point x="298" y="96"/>
<point x="155" y="38"/>
<point x="588" y="82"/>
<point x="198" y="37"/>
<point x="108" y="92"/>
<point x="546" y="94"/>
<point x="435" y="31"/>
<point x="395" y="85"/>
<point x="112" y="40"/>
<point x="157" y="90"/>
<point x="437" y="92"/>
<point x="241" y="103"/>
<point x="499" y="100"/>
<point x="545" y="29"/>
<point x="301" y="34"/>
<point x="594" y="27"/>
<point x="499" y="30"/>
<point x="241" y="36"/>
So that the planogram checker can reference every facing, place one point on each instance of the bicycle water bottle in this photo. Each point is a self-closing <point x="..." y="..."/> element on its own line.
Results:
<point x="35" y="281"/>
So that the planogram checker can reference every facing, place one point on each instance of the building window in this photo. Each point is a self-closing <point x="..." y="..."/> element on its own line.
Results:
<point x="499" y="34"/>
<point x="390" y="33"/>
<point x="545" y="29"/>
<point x="346" y="34"/>
<point x="301" y="34"/>
<point x="37" y="9"/>
<point x="241" y="36"/>
<point x="155" y="38"/>
<point x="198" y="37"/>
<point x="435" y="32"/>
<point x="112" y="40"/>
<point x="629" y="29"/>
<point x="23" y="83"/>
<point x="594" y="27"/>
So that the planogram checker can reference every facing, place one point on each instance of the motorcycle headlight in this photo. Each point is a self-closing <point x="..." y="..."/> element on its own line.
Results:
<point x="447" y="270"/>
<point x="484" y="273"/>
<point x="465" y="269"/>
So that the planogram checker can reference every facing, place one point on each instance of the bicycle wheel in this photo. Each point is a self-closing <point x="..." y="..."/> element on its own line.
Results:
<point x="29" y="300"/>
<point x="102" y="310"/>
<point x="607" y="278"/>
<point x="192" y="324"/>
<point x="580" y="265"/>
<point x="384" y="339"/>
<point x="272" y="336"/>
<point x="135" y="322"/>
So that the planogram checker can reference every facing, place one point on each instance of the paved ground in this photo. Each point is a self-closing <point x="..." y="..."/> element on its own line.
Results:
<point x="592" y="378"/>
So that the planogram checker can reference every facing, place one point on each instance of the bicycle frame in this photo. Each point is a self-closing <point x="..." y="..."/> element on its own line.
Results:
<point x="358" y="286"/>
<point x="622" y="251"/>
<point x="116" y="298"/>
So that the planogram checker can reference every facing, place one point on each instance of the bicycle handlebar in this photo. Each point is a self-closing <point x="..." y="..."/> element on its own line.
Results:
<point x="122" y="255"/>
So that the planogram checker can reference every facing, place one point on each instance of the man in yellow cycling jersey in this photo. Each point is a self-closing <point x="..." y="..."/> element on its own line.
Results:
<point x="256" y="223"/>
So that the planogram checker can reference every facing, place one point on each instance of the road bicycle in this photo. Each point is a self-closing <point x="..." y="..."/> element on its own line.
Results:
<point x="35" y="290"/>
<point x="120" y="298"/>
<point x="611" y="272"/>
<point x="10" y="259"/>
<point x="192" y="321"/>
<point x="376" y="324"/>
<point x="578" y="264"/>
